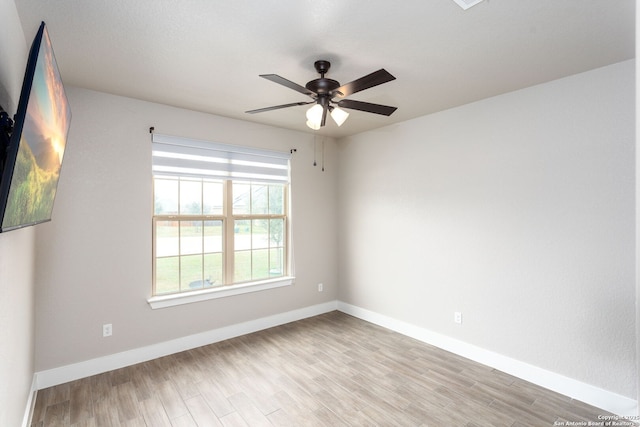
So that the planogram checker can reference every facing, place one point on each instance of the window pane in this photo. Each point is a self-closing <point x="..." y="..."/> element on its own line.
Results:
<point x="276" y="262"/>
<point x="276" y="199"/>
<point x="241" y="198"/>
<point x="212" y="197"/>
<point x="190" y="197"/>
<point x="213" y="270"/>
<point x="212" y="236"/>
<point x="276" y="232"/>
<point x="167" y="275"/>
<point x="190" y="252"/>
<point x="165" y="193"/>
<point x="242" y="235"/>
<point x="191" y="272"/>
<point x="167" y="238"/>
<point x="190" y="237"/>
<point x="260" y="264"/>
<point x="242" y="266"/>
<point x="259" y="234"/>
<point x="259" y="199"/>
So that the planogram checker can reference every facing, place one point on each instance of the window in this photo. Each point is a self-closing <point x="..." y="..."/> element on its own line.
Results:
<point x="220" y="216"/>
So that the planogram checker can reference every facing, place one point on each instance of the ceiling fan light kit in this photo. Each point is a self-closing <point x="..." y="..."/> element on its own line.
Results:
<point x="338" y="115"/>
<point x="324" y="92"/>
<point x="466" y="4"/>
<point x="314" y="116"/>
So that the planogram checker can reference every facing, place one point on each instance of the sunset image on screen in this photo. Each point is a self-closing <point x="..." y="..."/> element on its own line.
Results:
<point x="42" y="145"/>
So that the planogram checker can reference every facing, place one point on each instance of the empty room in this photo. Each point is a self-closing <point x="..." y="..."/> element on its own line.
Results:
<point x="286" y="213"/>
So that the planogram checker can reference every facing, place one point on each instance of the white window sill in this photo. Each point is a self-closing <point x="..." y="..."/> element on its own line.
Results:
<point x="164" y="301"/>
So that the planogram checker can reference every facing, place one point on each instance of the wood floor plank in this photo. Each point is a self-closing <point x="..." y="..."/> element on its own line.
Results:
<point x="184" y="421"/>
<point x="142" y="382"/>
<point x="171" y="400"/>
<point x="201" y="413"/>
<point x="88" y="422"/>
<point x="127" y="402"/>
<point x="134" y="422"/>
<point x="120" y="376"/>
<point x="215" y="398"/>
<point x="185" y="373"/>
<point x="57" y="415"/>
<point x="261" y="394"/>
<point x="383" y="390"/>
<point x="280" y="418"/>
<point x="42" y="396"/>
<point x="336" y="396"/>
<point x="157" y="370"/>
<point x="153" y="413"/>
<point x="100" y="387"/>
<point x="105" y="409"/>
<point x="328" y="370"/>
<point x="233" y="420"/>
<point x="327" y="417"/>
<point x="411" y="387"/>
<point x="294" y="396"/>
<point x="249" y="411"/>
<point x="59" y="394"/>
<point x="226" y="377"/>
<point x="298" y="409"/>
<point x="523" y="412"/>
<point x="80" y="408"/>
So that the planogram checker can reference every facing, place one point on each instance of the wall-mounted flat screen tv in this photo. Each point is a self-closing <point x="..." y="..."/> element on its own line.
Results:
<point x="37" y="142"/>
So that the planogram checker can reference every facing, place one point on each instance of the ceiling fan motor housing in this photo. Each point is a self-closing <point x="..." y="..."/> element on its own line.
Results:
<point x="322" y="86"/>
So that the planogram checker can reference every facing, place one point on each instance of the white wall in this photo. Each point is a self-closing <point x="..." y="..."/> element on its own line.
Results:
<point x="637" y="63"/>
<point x="94" y="258"/>
<point x="16" y="250"/>
<point x="517" y="211"/>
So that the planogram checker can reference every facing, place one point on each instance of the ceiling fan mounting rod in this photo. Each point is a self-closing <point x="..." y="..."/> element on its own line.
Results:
<point x="324" y="101"/>
<point x="322" y="67"/>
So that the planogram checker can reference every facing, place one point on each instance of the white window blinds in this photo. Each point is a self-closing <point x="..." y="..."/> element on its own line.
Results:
<point x="177" y="156"/>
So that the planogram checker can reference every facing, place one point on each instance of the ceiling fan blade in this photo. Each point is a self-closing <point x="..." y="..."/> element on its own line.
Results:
<point x="277" y="107"/>
<point x="370" y="80"/>
<point x="385" y="110"/>
<point x="288" y="83"/>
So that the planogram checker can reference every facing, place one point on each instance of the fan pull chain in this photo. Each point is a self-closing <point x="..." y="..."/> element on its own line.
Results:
<point x="314" y="151"/>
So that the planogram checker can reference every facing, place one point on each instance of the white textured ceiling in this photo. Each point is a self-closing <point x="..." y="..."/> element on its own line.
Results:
<point x="207" y="55"/>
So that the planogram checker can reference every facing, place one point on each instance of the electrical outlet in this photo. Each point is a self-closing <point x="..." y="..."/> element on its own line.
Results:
<point x="457" y="317"/>
<point x="320" y="287"/>
<point x="107" y="330"/>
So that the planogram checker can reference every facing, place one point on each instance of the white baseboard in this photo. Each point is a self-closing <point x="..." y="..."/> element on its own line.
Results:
<point x="611" y="402"/>
<point x="31" y="402"/>
<point x="99" y="365"/>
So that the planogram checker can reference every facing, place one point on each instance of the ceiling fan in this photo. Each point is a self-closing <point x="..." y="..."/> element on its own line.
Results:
<point x="327" y="95"/>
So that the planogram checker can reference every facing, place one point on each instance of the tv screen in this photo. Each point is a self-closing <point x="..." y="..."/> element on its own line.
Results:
<point x="34" y="156"/>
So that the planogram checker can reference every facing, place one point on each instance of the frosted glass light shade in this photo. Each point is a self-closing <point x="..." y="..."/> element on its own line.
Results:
<point x="339" y="116"/>
<point x="313" y="125"/>
<point x="314" y="113"/>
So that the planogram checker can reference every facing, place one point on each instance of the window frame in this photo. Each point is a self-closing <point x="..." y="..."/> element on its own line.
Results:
<point x="186" y="158"/>
<point x="228" y="219"/>
<point x="229" y="227"/>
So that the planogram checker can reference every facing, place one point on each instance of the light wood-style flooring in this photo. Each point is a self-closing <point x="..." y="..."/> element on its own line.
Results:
<point x="329" y="370"/>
